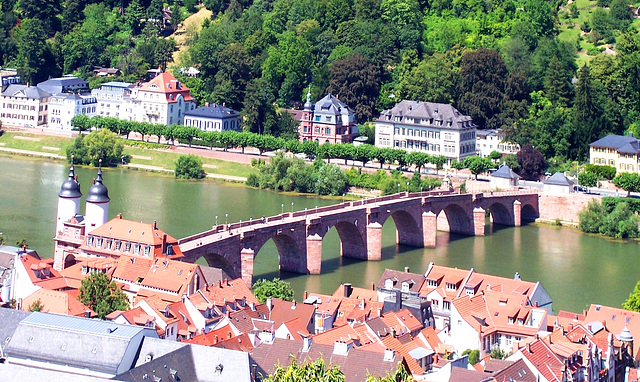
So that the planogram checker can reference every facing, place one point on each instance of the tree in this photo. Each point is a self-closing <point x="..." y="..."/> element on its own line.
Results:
<point x="495" y="156"/>
<point x="484" y="75"/>
<point x="633" y="302"/>
<point x="102" y="295"/>
<point x="44" y="10"/>
<point x="474" y="356"/>
<point x="188" y="167"/>
<point x="34" y="56"/>
<point x="102" y="145"/>
<point x="477" y="165"/>
<point x="532" y="162"/>
<point x="629" y="182"/>
<point x="263" y="289"/>
<point x="587" y="179"/>
<point x="588" y="114"/>
<point x="36" y="306"/>
<point x="557" y="83"/>
<point x="355" y="81"/>
<point x="331" y="181"/>
<point x="310" y="371"/>
<point x="81" y="122"/>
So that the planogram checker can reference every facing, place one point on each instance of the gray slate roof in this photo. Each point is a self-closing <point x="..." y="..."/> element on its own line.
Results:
<point x="613" y="141"/>
<point x="505" y="172"/>
<point x="63" y="84"/>
<point x="193" y="363"/>
<point x="415" y="280"/>
<point x="24" y="91"/>
<point x="558" y="179"/>
<point x="10" y="318"/>
<point x="356" y="365"/>
<point x="96" y="345"/>
<point x="427" y="110"/>
<point x="331" y="105"/>
<point x="212" y="111"/>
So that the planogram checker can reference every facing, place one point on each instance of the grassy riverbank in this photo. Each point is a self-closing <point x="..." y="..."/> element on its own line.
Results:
<point x="52" y="146"/>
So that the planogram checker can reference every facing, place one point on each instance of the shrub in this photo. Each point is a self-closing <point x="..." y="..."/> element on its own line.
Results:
<point x="189" y="167"/>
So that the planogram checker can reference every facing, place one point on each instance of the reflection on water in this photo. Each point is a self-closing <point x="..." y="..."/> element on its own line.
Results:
<point x="576" y="269"/>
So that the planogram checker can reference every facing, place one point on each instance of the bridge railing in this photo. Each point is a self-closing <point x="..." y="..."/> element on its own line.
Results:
<point x="508" y="193"/>
<point x="311" y="211"/>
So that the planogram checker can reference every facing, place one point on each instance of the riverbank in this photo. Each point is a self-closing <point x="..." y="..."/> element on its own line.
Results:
<point x="217" y="165"/>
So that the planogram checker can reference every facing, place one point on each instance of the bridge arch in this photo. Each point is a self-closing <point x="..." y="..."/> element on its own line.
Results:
<point x="229" y="266"/>
<point x="408" y="229"/>
<point x="291" y="257"/>
<point x="454" y="219"/>
<point x="529" y="213"/>
<point x="500" y="214"/>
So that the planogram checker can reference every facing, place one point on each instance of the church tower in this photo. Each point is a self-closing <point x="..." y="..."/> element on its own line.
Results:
<point x="97" y="206"/>
<point x="306" y="125"/>
<point x="68" y="200"/>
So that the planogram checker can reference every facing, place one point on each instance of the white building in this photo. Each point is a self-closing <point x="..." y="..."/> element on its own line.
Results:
<point x="493" y="140"/>
<point x="114" y="100"/>
<point x="558" y="184"/>
<point x="63" y="107"/>
<point x="213" y="118"/>
<point x="162" y="100"/>
<point x="64" y="84"/>
<point x="433" y="128"/>
<point x="24" y="106"/>
<point x="504" y="178"/>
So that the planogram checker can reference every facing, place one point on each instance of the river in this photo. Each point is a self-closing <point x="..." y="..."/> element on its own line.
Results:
<point x="576" y="269"/>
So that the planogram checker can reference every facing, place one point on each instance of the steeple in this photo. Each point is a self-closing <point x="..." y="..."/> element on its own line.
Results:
<point x="308" y="106"/>
<point x="70" y="188"/>
<point x="97" y="206"/>
<point x="68" y="199"/>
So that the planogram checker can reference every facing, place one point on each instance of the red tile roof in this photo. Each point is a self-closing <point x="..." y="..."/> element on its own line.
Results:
<point x="213" y="337"/>
<point x="284" y="311"/>
<point x="166" y="83"/>
<point x="57" y="302"/>
<point x="540" y="355"/>
<point x="614" y="320"/>
<point x="344" y="333"/>
<point x="221" y="293"/>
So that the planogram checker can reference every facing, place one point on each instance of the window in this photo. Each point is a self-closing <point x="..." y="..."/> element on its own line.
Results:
<point x="147" y="250"/>
<point x="388" y="284"/>
<point x="99" y="242"/>
<point x="327" y="130"/>
<point x="432" y="283"/>
<point x="136" y="249"/>
<point x="405" y="287"/>
<point x="89" y="241"/>
<point x="451" y="286"/>
<point x="446" y="305"/>
<point x="117" y="246"/>
<point x="127" y="247"/>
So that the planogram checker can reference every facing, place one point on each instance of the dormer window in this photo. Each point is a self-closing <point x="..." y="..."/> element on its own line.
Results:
<point x="432" y="283"/>
<point x="136" y="249"/>
<point x="127" y="247"/>
<point x="89" y="241"/>
<point x="117" y="246"/>
<point x="469" y="291"/>
<point x="85" y="269"/>
<point x="511" y="320"/>
<point x="99" y="242"/>
<point x="451" y="286"/>
<point x="405" y="287"/>
<point x="388" y="284"/>
<point x="147" y="250"/>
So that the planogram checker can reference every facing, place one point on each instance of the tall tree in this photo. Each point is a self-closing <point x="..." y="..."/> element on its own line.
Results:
<point x="234" y="72"/>
<point x="557" y="85"/>
<point x="34" y="55"/>
<point x="44" y="10"/>
<point x="589" y="121"/>
<point x="102" y="295"/>
<point x="258" y="112"/>
<point x="484" y="75"/>
<point x="355" y="81"/>
<point x="532" y="162"/>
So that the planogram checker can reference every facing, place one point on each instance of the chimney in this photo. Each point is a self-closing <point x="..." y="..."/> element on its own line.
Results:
<point x="389" y="355"/>
<point x="216" y="339"/>
<point x="270" y="303"/>
<point x="24" y="248"/>
<point x="164" y="243"/>
<point x="306" y="343"/>
<point x="229" y="335"/>
<point x="342" y="348"/>
<point x="87" y="314"/>
<point x="119" y="216"/>
<point x="348" y="289"/>
<point x="398" y="302"/>
<point x="154" y="225"/>
<point x="305" y="295"/>
<point x="373" y="286"/>
<point x="406" y="269"/>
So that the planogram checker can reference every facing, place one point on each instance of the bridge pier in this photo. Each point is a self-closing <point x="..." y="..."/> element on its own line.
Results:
<point x="246" y="261"/>
<point x="314" y="254"/>
<point x="517" y="213"/>
<point x="478" y="221"/>
<point x="429" y="228"/>
<point x="374" y="241"/>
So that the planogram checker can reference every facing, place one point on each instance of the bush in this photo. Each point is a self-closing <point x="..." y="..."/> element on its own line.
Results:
<point x="90" y="149"/>
<point x="146" y="145"/>
<point x="263" y="289"/>
<point x="588" y="179"/>
<point x="189" y="167"/>
<point x="602" y="172"/>
<point x="609" y="218"/>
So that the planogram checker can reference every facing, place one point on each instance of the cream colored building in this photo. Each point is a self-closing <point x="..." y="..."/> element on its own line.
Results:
<point x="433" y="128"/>
<point x="492" y="140"/>
<point x="163" y="100"/>
<point x="619" y="151"/>
<point x="24" y="106"/>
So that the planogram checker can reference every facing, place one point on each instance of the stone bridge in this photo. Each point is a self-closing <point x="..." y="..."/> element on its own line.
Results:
<point x="298" y="235"/>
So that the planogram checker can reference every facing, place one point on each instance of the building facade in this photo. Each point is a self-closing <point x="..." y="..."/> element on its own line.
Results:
<point x="64" y="84"/>
<point x="114" y="100"/>
<point x="63" y="107"/>
<point x="433" y="128"/>
<point x="619" y="151"/>
<point x="24" y="106"/>
<point x="162" y="100"/>
<point x="488" y="141"/>
<point x="213" y="117"/>
<point x="328" y="121"/>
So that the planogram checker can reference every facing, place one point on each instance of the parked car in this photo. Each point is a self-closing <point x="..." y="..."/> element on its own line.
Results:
<point x="580" y="189"/>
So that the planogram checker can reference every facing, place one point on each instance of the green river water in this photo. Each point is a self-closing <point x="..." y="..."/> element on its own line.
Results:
<point x="576" y="269"/>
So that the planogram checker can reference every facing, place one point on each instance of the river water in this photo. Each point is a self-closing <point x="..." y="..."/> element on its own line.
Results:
<point x="576" y="269"/>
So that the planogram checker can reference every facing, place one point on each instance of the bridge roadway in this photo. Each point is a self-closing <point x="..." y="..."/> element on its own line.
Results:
<point x="298" y="235"/>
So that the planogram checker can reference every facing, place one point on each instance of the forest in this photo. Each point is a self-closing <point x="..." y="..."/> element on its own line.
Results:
<point x="541" y="70"/>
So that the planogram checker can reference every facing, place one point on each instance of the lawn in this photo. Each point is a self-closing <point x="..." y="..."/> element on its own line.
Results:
<point x="152" y="157"/>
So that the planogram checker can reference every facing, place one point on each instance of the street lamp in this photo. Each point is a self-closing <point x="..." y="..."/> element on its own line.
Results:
<point x="398" y="188"/>
<point x="407" y="186"/>
<point x="216" y="219"/>
<point x="226" y="219"/>
<point x="291" y="207"/>
<point x="282" y="206"/>
<point x="305" y="212"/>
<point x="316" y="210"/>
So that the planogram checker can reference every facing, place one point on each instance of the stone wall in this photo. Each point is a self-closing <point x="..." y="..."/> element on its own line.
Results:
<point x="565" y="208"/>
